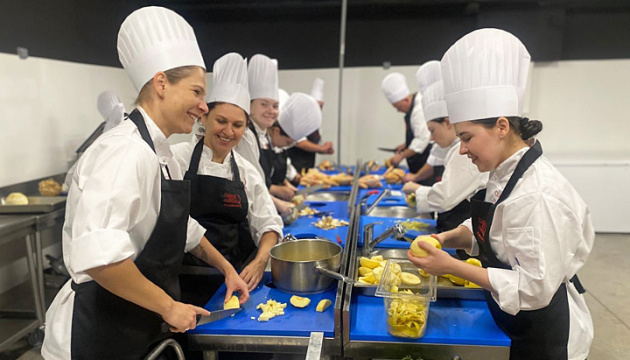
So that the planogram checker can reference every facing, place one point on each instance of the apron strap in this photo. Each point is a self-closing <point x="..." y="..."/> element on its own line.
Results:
<point x="193" y="167"/>
<point x="235" y="171"/>
<point x="137" y="119"/>
<point x="526" y="161"/>
<point x="578" y="285"/>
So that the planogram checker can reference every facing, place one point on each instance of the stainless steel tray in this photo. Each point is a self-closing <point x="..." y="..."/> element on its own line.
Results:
<point x="36" y="204"/>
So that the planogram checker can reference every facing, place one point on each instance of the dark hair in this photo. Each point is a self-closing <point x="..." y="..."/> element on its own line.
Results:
<point x="173" y="76"/>
<point x="439" y="120"/>
<point x="282" y="132"/>
<point x="522" y="126"/>
<point x="212" y="105"/>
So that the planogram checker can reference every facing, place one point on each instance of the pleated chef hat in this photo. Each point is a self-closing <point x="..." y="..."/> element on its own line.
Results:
<point x="155" y="39"/>
<point x="229" y="81"/>
<point x="317" y="91"/>
<point x="283" y="96"/>
<point x="427" y="74"/>
<point x="263" y="77"/>
<point x="433" y="103"/>
<point x="395" y="87"/>
<point x="300" y="116"/>
<point x="111" y="108"/>
<point x="485" y="75"/>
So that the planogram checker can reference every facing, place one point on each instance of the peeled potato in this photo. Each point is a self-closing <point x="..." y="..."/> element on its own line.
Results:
<point x="378" y="273"/>
<point x="369" y="263"/>
<point x="232" y="303"/>
<point x="299" y="302"/>
<point x="323" y="305"/>
<point x="473" y="261"/>
<point x="418" y="251"/>
<point x="423" y="273"/>
<point x="409" y="279"/>
<point x="363" y="271"/>
<point x="455" y="279"/>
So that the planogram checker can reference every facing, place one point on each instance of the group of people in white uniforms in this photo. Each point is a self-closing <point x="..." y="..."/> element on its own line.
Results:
<point x="128" y="209"/>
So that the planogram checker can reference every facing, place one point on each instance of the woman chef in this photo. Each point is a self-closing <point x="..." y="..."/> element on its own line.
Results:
<point x="461" y="179"/>
<point x="229" y="197"/>
<point x="531" y="229"/>
<point x="127" y="225"/>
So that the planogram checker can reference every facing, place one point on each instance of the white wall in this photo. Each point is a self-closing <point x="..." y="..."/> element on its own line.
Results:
<point x="47" y="109"/>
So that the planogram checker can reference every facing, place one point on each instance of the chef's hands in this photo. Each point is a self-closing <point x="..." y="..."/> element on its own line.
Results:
<point x="400" y="148"/>
<point x="282" y="192"/>
<point x="437" y="262"/>
<point x="234" y="283"/>
<point x="284" y="208"/>
<point x="396" y="159"/>
<point x="288" y="184"/>
<point x="327" y="148"/>
<point x="182" y="317"/>
<point x="253" y="272"/>
<point x="410" y="188"/>
<point x="409" y="177"/>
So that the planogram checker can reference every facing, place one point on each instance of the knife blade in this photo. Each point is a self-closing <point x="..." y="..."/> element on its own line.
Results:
<point x="308" y="190"/>
<point x="387" y="149"/>
<point x="216" y="315"/>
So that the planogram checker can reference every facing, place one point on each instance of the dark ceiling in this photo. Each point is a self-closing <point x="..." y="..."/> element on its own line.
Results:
<point x="305" y="33"/>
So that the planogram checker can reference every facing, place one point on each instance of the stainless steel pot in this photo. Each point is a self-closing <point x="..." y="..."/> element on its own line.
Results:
<point x="306" y="266"/>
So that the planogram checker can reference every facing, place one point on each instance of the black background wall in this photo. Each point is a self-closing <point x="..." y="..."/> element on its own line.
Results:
<point x="305" y="33"/>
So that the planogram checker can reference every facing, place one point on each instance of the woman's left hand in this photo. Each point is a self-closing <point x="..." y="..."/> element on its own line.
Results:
<point x="253" y="273"/>
<point x="410" y="188"/>
<point x="437" y="262"/>
<point x="234" y="283"/>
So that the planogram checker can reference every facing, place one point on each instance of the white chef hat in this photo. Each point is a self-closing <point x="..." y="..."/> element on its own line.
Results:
<point x="229" y="81"/>
<point x="427" y="74"/>
<point x="433" y="103"/>
<point x="283" y="96"/>
<point x="395" y="87"/>
<point x="300" y="116"/>
<point x="263" y="77"/>
<point x="111" y="108"/>
<point x="485" y="75"/>
<point x="317" y="91"/>
<point x="155" y="39"/>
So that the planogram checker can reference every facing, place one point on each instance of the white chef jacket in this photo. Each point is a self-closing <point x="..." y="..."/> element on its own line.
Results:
<point x="261" y="215"/>
<point x="421" y="133"/>
<point x="111" y="210"/>
<point x="543" y="231"/>
<point x="437" y="155"/>
<point x="248" y="146"/>
<point x="460" y="181"/>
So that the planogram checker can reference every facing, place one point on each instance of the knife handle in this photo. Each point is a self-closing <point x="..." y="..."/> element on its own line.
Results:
<point x="166" y="328"/>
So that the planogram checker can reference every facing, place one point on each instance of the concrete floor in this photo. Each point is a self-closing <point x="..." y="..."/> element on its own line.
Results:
<point x="607" y="297"/>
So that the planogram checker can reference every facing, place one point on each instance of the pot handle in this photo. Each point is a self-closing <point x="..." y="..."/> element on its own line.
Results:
<point x="287" y="238"/>
<point x="334" y="275"/>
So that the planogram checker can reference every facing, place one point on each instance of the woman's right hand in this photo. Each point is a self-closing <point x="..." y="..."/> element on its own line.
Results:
<point x="285" y="208"/>
<point x="282" y="192"/>
<point x="182" y="317"/>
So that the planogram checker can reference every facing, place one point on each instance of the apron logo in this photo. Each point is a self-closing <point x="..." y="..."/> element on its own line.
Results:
<point x="232" y="200"/>
<point x="481" y="229"/>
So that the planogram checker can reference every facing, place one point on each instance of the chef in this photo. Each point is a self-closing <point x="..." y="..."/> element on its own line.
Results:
<point x="531" y="229"/>
<point x="303" y="153"/>
<point x="417" y="145"/>
<point x="127" y="225"/>
<point x="229" y="197"/>
<point x="461" y="179"/>
<point x="427" y="74"/>
<point x="255" y="146"/>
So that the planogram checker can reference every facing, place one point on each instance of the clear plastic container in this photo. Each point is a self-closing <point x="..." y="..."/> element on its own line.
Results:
<point x="406" y="299"/>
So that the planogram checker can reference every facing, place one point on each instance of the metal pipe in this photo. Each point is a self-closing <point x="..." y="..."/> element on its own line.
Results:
<point x="342" y="53"/>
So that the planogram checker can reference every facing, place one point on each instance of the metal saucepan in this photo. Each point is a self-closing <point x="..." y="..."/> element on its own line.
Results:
<point x="306" y="266"/>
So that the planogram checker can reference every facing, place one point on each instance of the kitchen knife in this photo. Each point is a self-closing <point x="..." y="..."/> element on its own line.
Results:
<point x="387" y="149"/>
<point x="216" y="315"/>
<point x="310" y="189"/>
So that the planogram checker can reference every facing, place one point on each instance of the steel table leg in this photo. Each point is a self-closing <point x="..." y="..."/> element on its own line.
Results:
<point x="40" y="270"/>
<point x="34" y="278"/>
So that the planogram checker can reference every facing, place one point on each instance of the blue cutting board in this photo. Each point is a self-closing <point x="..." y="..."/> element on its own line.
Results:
<point x="390" y="243"/>
<point x="450" y="321"/>
<point x="303" y="227"/>
<point x="294" y="322"/>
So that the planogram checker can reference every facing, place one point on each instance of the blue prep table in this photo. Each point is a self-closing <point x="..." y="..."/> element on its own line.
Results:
<point x="450" y="322"/>
<point x="303" y="226"/>
<point x="294" y="322"/>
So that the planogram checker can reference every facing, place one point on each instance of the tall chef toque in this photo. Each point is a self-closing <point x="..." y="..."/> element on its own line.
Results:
<point x="317" y="91"/>
<point x="427" y="74"/>
<point x="111" y="108"/>
<point x="263" y="77"/>
<point x="154" y="39"/>
<point x="433" y="103"/>
<point x="395" y="87"/>
<point x="485" y="75"/>
<point x="300" y="116"/>
<point x="229" y="81"/>
<point x="283" y="96"/>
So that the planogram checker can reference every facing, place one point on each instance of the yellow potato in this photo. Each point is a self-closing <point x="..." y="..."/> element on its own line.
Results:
<point x="363" y="271"/>
<point x="396" y="268"/>
<point x="473" y="261"/>
<point x="369" y="263"/>
<point x="232" y="303"/>
<point x="323" y="305"/>
<point x="409" y="279"/>
<point x="423" y="273"/>
<point x="471" y="285"/>
<point x="377" y="273"/>
<point x="454" y="279"/>
<point x="394" y="289"/>
<point x="299" y="302"/>
<point x="377" y="258"/>
<point x="419" y="252"/>
<point x="362" y="281"/>
<point x="370" y="278"/>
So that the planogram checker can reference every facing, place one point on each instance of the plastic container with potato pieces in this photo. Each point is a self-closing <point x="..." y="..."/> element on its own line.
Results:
<point x="406" y="306"/>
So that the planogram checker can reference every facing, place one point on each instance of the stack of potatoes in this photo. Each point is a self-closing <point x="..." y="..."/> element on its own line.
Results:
<point x="394" y="175"/>
<point x="326" y="165"/>
<point x="315" y="177"/>
<point x="371" y="271"/>
<point x="370" y="181"/>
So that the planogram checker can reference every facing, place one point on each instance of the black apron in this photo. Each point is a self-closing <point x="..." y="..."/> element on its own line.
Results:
<point x="266" y="156"/>
<point x="279" y="164"/>
<point x="301" y="159"/>
<point x="438" y="171"/>
<point x="105" y="326"/>
<point x="536" y="334"/>
<point x="415" y="161"/>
